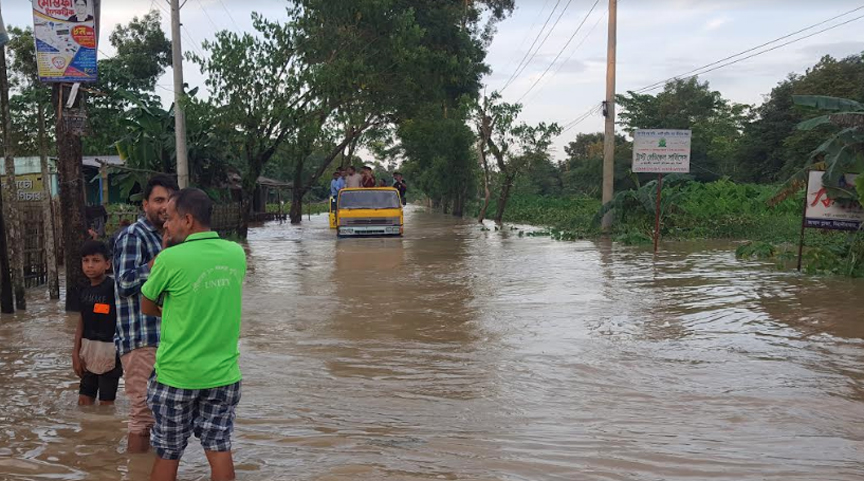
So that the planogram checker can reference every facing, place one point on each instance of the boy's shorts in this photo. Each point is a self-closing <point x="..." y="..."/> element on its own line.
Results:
<point x="103" y="385"/>
<point x="208" y="413"/>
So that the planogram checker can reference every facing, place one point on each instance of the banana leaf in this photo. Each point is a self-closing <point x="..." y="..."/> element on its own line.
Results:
<point x="822" y="102"/>
<point x="814" y="122"/>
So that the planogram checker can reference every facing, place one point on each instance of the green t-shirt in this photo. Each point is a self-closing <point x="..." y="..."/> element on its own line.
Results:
<point x="202" y="284"/>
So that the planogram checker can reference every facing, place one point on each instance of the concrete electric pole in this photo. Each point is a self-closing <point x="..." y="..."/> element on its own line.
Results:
<point x="179" y="93"/>
<point x="609" y="111"/>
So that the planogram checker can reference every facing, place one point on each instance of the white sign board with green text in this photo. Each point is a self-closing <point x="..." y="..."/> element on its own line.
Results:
<point x="661" y="151"/>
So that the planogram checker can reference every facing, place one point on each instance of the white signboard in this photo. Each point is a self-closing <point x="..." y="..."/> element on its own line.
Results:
<point x="824" y="213"/>
<point x="661" y="151"/>
<point x="65" y="36"/>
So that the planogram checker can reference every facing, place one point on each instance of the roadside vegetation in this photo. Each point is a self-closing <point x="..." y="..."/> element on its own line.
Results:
<point x="748" y="170"/>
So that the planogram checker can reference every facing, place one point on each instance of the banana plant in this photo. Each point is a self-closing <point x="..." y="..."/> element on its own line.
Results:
<point x="842" y="153"/>
<point x="644" y="199"/>
<point x="149" y="143"/>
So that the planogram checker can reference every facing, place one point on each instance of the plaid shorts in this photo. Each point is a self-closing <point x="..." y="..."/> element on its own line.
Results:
<point x="208" y="413"/>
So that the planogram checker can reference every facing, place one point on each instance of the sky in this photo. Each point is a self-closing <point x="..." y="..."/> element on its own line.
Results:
<point x="657" y="39"/>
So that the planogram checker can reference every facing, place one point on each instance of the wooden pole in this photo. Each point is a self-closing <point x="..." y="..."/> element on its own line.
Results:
<point x="657" y="213"/>
<point x="609" y="139"/>
<point x="10" y="190"/>
<point x="48" y="211"/>
<point x="103" y="173"/>
<point x="803" y="223"/>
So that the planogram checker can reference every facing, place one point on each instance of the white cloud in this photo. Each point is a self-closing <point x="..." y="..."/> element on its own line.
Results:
<point x="716" y="23"/>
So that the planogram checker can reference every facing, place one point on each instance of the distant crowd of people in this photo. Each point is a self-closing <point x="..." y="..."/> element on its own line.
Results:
<point x="348" y="178"/>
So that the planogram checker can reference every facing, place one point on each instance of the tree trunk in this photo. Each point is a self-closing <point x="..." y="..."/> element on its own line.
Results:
<point x="48" y="211"/>
<point x="296" y="212"/>
<point x="487" y="192"/>
<point x="245" y="214"/>
<point x="459" y="205"/>
<point x="10" y="191"/>
<point x="7" y="304"/>
<point x="504" y="197"/>
<point x="71" y="204"/>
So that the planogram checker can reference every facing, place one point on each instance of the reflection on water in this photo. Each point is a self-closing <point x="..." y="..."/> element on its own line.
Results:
<point x="460" y="354"/>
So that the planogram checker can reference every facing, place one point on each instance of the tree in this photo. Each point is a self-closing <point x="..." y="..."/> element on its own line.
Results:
<point x="583" y="169"/>
<point x="143" y="52"/>
<point x="442" y="163"/>
<point x="843" y="151"/>
<point x="689" y="104"/>
<point x="515" y="148"/>
<point x="32" y="136"/>
<point x="772" y="148"/>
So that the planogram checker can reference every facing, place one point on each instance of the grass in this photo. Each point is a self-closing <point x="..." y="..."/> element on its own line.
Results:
<point x="716" y="210"/>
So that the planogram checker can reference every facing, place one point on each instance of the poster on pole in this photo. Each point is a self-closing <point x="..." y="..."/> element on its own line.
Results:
<point x="65" y="35"/>
<point x="823" y="212"/>
<point x="661" y="151"/>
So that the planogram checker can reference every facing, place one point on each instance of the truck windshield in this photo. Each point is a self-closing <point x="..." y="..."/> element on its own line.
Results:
<point x="369" y="199"/>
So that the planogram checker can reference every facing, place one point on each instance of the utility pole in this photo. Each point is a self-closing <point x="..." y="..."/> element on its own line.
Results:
<point x="609" y="138"/>
<point x="15" y="241"/>
<point x="179" y="94"/>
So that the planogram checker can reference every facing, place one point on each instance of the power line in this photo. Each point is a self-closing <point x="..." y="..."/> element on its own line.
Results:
<point x="528" y="52"/>
<point x="719" y="63"/>
<point x="561" y="52"/>
<point x="593" y="27"/>
<point x="585" y="116"/>
<point x="530" y="31"/>
<point x="548" y="34"/>
<point x="230" y="17"/>
<point x="201" y="5"/>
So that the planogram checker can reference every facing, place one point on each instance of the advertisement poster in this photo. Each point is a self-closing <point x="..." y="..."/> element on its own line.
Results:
<point x="661" y="151"/>
<point x="824" y="213"/>
<point x="65" y="36"/>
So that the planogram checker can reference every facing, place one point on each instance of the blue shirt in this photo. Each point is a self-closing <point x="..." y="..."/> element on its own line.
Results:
<point x="336" y="185"/>
<point x="135" y="247"/>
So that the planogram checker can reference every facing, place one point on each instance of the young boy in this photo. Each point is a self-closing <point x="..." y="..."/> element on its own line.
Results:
<point x="94" y="357"/>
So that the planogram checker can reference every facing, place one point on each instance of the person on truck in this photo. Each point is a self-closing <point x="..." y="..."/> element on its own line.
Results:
<point x="353" y="180"/>
<point x="368" y="178"/>
<point x="400" y="185"/>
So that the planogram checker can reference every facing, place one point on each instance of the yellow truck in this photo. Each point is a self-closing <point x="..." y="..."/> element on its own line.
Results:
<point x="367" y="212"/>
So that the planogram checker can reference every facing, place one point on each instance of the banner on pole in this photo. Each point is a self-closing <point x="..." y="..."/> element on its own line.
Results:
<point x="823" y="212"/>
<point x="659" y="151"/>
<point x="66" y="41"/>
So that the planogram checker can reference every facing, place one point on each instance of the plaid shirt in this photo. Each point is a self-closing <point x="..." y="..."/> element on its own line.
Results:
<point x="135" y="247"/>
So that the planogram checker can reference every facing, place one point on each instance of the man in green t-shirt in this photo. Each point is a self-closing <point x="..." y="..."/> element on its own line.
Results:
<point x="199" y="280"/>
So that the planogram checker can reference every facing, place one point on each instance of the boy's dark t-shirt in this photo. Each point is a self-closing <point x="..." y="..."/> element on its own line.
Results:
<point x="98" y="311"/>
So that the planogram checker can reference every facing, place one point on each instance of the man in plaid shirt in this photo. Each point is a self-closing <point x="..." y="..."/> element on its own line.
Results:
<point x="137" y="335"/>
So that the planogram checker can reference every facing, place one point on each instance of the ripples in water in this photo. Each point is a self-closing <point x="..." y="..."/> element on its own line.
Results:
<point x="460" y="354"/>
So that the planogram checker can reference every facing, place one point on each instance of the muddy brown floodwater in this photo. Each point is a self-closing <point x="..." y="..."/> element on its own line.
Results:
<point x="458" y="354"/>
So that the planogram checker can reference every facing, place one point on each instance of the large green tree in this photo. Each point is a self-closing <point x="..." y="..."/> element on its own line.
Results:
<point x="516" y="148"/>
<point x="772" y="148"/>
<point x="583" y="168"/>
<point x="143" y="52"/>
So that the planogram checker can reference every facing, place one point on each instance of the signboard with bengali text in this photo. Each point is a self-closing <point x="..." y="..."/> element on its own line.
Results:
<point x="29" y="187"/>
<point x="825" y="213"/>
<point x="65" y="35"/>
<point x="661" y="151"/>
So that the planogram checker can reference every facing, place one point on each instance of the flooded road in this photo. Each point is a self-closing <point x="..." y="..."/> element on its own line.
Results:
<point x="456" y="354"/>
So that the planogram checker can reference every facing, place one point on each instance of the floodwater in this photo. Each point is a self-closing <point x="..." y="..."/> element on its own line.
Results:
<point x="458" y="354"/>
